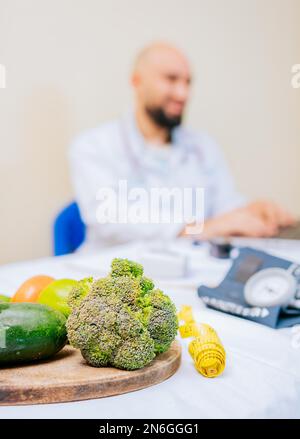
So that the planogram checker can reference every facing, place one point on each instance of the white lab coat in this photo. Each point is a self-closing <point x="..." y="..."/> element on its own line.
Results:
<point x="117" y="151"/>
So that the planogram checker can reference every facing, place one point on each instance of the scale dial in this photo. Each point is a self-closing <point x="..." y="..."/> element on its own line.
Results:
<point x="270" y="287"/>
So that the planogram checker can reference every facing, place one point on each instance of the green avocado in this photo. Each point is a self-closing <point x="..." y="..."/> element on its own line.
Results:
<point x="30" y="332"/>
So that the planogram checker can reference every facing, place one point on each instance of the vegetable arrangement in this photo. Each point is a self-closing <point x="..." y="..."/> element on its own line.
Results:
<point x="120" y="320"/>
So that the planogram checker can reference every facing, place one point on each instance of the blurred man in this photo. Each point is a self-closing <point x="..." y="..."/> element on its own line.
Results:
<point x="150" y="148"/>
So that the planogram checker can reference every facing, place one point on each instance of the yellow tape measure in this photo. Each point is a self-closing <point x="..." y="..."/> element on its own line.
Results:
<point x="206" y="348"/>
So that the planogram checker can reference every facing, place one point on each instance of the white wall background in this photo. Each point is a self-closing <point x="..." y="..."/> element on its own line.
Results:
<point x="67" y="67"/>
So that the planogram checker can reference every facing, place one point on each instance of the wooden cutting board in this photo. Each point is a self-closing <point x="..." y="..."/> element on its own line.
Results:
<point x="67" y="377"/>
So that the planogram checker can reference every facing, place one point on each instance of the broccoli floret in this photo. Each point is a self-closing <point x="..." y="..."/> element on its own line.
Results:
<point x="146" y="285"/>
<point x="120" y="320"/>
<point x="79" y="292"/>
<point x="124" y="267"/>
<point x="159" y="315"/>
<point x="135" y="352"/>
<point x="125" y="287"/>
<point x="128" y="289"/>
<point x="103" y="287"/>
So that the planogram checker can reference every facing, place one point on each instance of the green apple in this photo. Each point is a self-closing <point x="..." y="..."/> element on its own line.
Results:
<point x="56" y="295"/>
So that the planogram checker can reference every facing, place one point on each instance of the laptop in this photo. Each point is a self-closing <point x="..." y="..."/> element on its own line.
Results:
<point x="286" y="241"/>
<point x="292" y="232"/>
<point x="288" y="237"/>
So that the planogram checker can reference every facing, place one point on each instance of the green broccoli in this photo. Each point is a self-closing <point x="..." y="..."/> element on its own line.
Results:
<point x="79" y="292"/>
<point x="159" y="316"/>
<point x="121" y="320"/>
<point x="124" y="267"/>
<point x="146" y="285"/>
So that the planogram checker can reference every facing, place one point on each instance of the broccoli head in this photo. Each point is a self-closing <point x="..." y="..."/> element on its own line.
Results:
<point x="121" y="320"/>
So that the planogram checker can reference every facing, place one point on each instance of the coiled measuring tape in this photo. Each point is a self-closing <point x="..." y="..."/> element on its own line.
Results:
<point x="206" y="348"/>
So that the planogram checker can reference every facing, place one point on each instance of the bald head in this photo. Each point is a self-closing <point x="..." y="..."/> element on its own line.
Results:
<point x="161" y="80"/>
<point x="157" y="53"/>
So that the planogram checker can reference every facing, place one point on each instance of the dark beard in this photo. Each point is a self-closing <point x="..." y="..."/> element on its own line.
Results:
<point x="162" y="119"/>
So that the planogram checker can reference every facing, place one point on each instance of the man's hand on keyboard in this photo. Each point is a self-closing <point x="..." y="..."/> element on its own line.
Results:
<point x="260" y="219"/>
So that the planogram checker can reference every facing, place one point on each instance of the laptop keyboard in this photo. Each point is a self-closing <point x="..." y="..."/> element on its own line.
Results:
<point x="290" y="232"/>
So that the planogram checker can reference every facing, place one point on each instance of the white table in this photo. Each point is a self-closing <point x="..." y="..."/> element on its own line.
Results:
<point x="262" y="375"/>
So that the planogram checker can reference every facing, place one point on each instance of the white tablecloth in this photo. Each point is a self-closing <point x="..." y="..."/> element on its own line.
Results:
<point x="262" y="375"/>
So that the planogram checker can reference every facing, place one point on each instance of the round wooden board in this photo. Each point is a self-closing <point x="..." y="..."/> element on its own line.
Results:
<point x="67" y="377"/>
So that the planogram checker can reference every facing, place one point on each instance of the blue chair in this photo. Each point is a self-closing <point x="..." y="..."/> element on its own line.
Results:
<point x="68" y="230"/>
